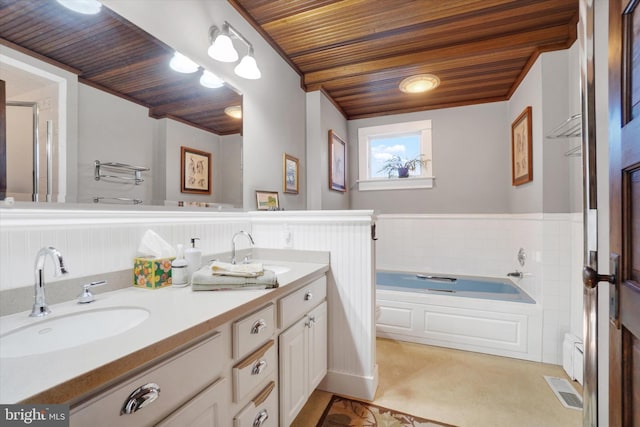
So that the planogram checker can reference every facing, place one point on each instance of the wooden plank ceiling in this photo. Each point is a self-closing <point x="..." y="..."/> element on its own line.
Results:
<point x="112" y="54"/>
<point x="358" y="51"/>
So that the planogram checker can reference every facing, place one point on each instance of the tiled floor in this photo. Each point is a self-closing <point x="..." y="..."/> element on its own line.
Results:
<point x="461" y="388"/>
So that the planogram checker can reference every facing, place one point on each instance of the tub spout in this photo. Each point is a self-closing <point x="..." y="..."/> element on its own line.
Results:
<point x="516" y="274"/>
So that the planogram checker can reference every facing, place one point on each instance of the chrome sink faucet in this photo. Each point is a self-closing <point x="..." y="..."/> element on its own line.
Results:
<point x="40" y="307"/>
<point x="233" y="244"/>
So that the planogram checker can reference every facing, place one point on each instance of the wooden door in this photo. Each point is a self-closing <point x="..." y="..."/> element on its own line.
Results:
<point x="624" y="149"/>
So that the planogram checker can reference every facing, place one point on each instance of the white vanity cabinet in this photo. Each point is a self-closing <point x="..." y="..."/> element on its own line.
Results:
<point x="258" y="369"/>
<point x="189" y="387"/>
<point x="303" y="347"/>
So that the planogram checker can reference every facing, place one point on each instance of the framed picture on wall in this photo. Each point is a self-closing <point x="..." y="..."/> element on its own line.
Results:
<point x="195" y="171"/>
<point x="337" y="162"/>
<point x="290" y="179"/>
<point x="521" y="149"/>
<point x="267" y="200"/>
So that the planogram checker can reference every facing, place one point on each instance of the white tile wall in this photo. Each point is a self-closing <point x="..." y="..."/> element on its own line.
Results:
<point x="487" y="245"/>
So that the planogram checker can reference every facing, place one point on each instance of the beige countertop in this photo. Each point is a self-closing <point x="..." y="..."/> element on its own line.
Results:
<point x="177" y="317"/>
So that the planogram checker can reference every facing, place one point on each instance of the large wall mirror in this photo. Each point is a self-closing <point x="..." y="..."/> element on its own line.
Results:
<point x="96" y="88"/>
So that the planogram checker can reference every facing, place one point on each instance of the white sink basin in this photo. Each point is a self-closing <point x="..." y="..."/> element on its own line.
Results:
<point x="277" y="269"/>
<point x="70" y="330"/>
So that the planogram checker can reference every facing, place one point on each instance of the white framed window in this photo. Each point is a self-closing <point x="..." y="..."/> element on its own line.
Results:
<point x="377" y="144"/>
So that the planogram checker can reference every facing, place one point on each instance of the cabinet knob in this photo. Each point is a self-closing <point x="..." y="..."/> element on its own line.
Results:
<point x="258" y="326"/>
<point x="260" y="418"/>
<point x="258" y="367"/>
<point x="311" y="322"/>
<point x="308" y="296"/>
<point x="140" y="397"/>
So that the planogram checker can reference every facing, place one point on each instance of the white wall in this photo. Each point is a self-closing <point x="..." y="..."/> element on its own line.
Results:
<point x="111" y="129"/>
<point x="323" y="116"/>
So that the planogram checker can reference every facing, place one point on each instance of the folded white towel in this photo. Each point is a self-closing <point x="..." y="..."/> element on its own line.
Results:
<point x="204" y="280"/>
<point x="244" y="270"/>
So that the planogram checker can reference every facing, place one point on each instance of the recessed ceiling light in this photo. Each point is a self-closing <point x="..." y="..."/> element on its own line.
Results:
<point x="419" y="83"/>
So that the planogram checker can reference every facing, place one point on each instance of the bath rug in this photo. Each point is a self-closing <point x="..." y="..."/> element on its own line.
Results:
<point x="342" y="411"/>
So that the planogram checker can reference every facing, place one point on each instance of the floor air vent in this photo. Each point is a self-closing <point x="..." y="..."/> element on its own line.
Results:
<point x="565" y="392"/>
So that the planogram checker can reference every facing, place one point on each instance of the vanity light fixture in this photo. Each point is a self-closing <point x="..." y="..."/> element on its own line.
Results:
<point x="419" y="83"/>
<point x="234" y="111"/>
<point x="182" y="64"/>
<point x="86" y="7"/>
<point x="248" y="68"/>
<point x="222" y="49"/>
<point x="210" y="80"/>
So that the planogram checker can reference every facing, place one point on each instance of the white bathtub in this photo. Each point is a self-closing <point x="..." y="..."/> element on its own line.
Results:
<point x="475" y="321"/>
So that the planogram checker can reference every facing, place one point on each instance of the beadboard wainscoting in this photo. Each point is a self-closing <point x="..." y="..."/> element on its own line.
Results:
<point x="95" y="242"/>
<point x="351" y="291"/>
<point x="487" y="245"/>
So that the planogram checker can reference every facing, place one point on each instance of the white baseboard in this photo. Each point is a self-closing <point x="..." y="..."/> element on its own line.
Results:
<point x="351" y="385"/>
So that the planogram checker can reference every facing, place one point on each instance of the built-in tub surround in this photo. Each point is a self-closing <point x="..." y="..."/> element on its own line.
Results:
<point x="487" y="245"/>
<point x="486" y="315"/>
<point x="177" y="317"/>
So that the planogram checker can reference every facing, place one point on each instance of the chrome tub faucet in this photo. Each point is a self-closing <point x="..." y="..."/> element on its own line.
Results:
<point x="233" y="245"/>
<point x="40" y="307"/>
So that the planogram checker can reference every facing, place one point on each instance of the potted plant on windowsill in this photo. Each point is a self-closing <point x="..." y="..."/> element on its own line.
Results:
<point x="402" y="167"/>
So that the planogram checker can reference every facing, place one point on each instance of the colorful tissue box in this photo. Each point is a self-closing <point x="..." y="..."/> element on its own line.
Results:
<point x="152" y="273"/>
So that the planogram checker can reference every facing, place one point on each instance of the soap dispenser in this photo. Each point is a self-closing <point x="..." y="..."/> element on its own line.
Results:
<point x="194" y="257"/>
<point x="179" y="269"/>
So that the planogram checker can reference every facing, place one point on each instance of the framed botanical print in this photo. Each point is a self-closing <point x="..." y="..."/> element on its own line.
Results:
<point x="195" y="171"/>
<point x="521" y="149"/>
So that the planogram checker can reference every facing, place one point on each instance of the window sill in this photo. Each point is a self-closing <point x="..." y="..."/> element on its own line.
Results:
<point x="396" y="183"/>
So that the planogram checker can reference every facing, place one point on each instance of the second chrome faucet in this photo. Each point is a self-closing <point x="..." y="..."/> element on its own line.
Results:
<point x="233" y="244"/>
<point x="40" y="307"/>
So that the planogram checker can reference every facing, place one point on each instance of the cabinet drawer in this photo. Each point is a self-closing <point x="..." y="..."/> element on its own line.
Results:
<point x="253" y="370"/>
<point x="252" y="331"/>
<point x="262" y="411"/>
<point x="178" y="379"/>
<point x="208" y="408"/>
<point x="293" y="306"/>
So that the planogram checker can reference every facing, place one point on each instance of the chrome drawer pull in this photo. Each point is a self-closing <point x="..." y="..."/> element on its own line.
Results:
<point x="258" y="367"/>
<point x="141" y="397"/>
<point x="260" y="418"/>
<point x="258" y="326"/>
<point x="308" y="296"/>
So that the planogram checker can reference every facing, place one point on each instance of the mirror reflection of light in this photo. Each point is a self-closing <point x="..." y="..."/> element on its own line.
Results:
<point x="234" y="111"/>
<point x="182" y="64"/>
<point x="86" y="7"/>
<point x="210" y="80"/>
